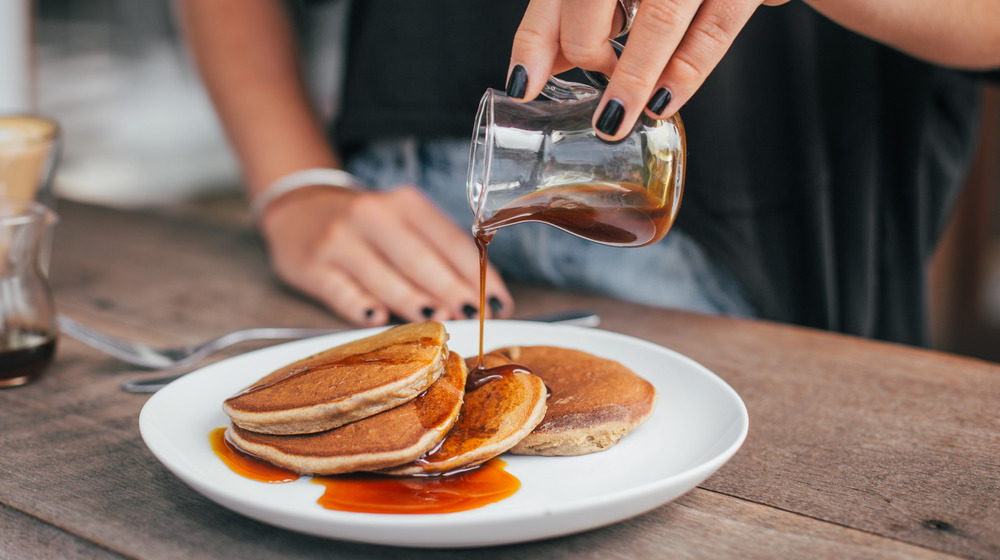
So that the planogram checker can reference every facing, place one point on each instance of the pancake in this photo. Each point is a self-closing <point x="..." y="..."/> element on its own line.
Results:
<point x="395" y="436"/>
<point x="495" y="416"/>
<point x="344" y="384"/>
<point x="593" y="403"/>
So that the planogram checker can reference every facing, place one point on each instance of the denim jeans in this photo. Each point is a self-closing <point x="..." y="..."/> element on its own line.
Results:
<point x="674" y="272"/>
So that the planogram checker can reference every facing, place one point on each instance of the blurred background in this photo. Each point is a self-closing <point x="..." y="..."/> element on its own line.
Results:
<point x="140" y="132"/>
<point x="139" y="129"/>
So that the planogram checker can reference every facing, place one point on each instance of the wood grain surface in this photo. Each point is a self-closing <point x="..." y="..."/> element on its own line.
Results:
<point x="857" y="449"/>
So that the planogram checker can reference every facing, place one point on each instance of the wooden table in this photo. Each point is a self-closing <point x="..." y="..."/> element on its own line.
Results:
<point x="856" y="448"/>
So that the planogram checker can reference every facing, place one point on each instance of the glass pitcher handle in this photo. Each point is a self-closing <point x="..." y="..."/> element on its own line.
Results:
<point x="562" y="91"/>
<point x="599" y="80"/>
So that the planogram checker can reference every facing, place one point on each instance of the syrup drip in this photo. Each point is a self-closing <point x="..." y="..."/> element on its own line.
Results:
<point x="624" y="215"/>
<point x="480" y="374"/>
<point x="483" y="239"/>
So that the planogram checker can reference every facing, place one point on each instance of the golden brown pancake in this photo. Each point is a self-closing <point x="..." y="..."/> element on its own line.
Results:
<point x="395" y="436"/>
<point x="344" y="384"/>
<point x="494" y="417"/>
<point x="593" y="401"/>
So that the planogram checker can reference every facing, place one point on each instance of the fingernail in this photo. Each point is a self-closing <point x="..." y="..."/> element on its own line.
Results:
<point x="611" y="117"/>
<point x="496" y="306"/>
<point x="427" y="312"/>
<point x="469" y="311"/>
<point x="517" y="84"/>
<point x="659" y="101"/>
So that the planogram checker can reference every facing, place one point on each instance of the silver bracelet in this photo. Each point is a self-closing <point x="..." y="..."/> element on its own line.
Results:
<point x="319" y="177"/>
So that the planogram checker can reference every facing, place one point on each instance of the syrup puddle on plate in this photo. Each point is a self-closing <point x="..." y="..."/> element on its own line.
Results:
<point x="373" y="493"/>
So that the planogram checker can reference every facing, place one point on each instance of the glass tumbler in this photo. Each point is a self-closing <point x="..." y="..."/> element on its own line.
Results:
<point x="29" y="149"/>
<point x="28" y="329"/>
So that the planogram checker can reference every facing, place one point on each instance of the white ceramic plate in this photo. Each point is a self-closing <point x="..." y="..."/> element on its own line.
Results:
<point x="699" y="423"/>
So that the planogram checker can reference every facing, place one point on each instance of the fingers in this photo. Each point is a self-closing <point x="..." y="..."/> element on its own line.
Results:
<point x="658" y="29"/>
<point x="535" y="50"/>
<point x="350" y="276"/>
<point x="330" y="285"/>
<point x="499" y="302"/>
<point x="555" y="36"/>
<point x="710" y="35"/>
<point x="345" y="297"/>
<point x="414" y="256"/>
<point x="673" y="46"/>
<point x="373" y="255"/>
<point x="583" y="40"/>
<point x="462" y="256"/>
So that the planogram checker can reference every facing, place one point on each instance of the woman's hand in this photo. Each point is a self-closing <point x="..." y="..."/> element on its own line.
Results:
<point x="368" y="254"/>
<point x="672" y="47"/>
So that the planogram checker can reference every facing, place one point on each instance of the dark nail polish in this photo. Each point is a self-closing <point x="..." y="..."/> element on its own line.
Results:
<point x="427" y="312"/>
<point x="659" y="101"/>
<point x="369" y="313"/>
<point x="517" y="84"/>
<point x="611" y="117"/>
<point x="496" y="306"/>
<point x="469" y="311"/>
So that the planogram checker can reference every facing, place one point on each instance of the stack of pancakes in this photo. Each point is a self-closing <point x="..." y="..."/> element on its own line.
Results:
<point x="397" y="402"/>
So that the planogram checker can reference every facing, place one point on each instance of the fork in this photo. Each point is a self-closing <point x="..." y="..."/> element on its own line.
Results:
<point x="147" y="356"/>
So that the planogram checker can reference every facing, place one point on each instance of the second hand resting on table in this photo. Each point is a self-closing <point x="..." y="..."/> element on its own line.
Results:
<point x="368" y="253"/>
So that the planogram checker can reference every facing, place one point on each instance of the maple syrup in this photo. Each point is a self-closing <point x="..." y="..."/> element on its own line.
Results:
<point x="374" y="493"/>
<point x="244" y="464"/>
<point x="481" y="375"/>
<point x="24" y="361"/>
<point x="620" y="215"/>
<point x="449" y="493"/>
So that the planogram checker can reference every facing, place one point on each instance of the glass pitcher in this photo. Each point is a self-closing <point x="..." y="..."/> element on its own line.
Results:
<point x="28" y="329"/>
<point x="542" y="162"/>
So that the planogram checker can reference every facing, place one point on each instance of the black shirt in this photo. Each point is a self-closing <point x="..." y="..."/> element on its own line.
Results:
<point x="822" y="166"/>
<point x="420" y="68"/>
